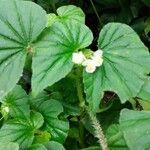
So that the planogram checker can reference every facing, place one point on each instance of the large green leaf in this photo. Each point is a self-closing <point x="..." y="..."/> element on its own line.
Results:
<point x="126" y="63"/>
<point x="21" y="131"/>
<point x="9" y="146"/>
<point x="53" y="52"/>
<point x="136" y="129"/>
<point x="20" y="24"/>
<point x="50" y="109"/>
<point x="18" y="103"/>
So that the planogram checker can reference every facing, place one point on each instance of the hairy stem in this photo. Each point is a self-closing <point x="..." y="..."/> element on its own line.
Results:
<point x="98" y="132"/>
<point x="94" y="8"/>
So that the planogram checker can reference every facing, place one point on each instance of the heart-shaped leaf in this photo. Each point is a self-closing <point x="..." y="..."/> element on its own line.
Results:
<point x="21" y="131"/>
<point x="50" y="109"/>
<point x="135" y="128"/>
<point x="53" y="52"/>
<point x="17" y="102"/>
<point x="20" y="24"/>
<point x="126" y="63"/>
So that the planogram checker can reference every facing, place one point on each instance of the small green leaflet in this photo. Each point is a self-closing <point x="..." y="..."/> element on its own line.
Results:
<point x="126" y="64"/>
<point x="18" y="102"/>
<point x="69" y="12"/>
<point x="37" y="147"/>
<point x="19" y="27"/>
<point x="21" y="131"/>
<point x="52" y="145"/>
<point x="135" y="126"/>
<point x="115" y="138"/>
<point x="50" y="109"/>
<point x="53" y="52"/>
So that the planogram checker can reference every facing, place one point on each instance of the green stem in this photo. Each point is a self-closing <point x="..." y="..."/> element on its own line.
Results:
<point x="94" y="8"/>
<point x="81" y="133"/>
<point x="133" y="103"/>
<point x="78" y="79"/>
<point x="98" y="131"/>
<point x="79" y="88"/>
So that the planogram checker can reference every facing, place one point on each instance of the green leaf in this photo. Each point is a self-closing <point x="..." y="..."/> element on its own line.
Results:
<point x="20" y="131"/>
<point x="57" y="128"/>
<point x="19" y="27"/>
<point x="51" y="19"/>
<point x="39" y="99"/>
<point x="92" y="148"/>
<point x="52" y="145"/>
<point x="146" y="2"/>
<point x="9" y="146"/>
<point x="135" y="128"/>
<point x="37" y="147"/>
<point x="37" y="120"/>
<point x="16" y="131"/>
<point x="93" y="89"/>
<point x="145" y="91"/>
<point x="126" y="63"/>
<point x="71" y="12"/>
<point x="53" y="52"/>
<point x="115" y="138"/>
<point x="42" y="137"/>
<point x="50" y="109"/>
<point x="17" y="102"/>
<point x="66" y="95"/>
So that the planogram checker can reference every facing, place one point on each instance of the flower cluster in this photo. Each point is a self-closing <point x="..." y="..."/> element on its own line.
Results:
<point x="90" y="64"/>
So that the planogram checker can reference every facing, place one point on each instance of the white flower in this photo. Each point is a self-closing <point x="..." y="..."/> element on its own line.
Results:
<point x="95" y="61"/>
<point x="78" y="58"/>
<point x="6" y="109"/>
<point x="97" y="57"/>
<point x="98" y="61"/>
<point x="90" y="66"/>
<point x="98" y="53"/>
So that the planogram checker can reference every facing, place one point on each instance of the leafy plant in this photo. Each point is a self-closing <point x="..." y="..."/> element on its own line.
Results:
<point x="58" y="89"/>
